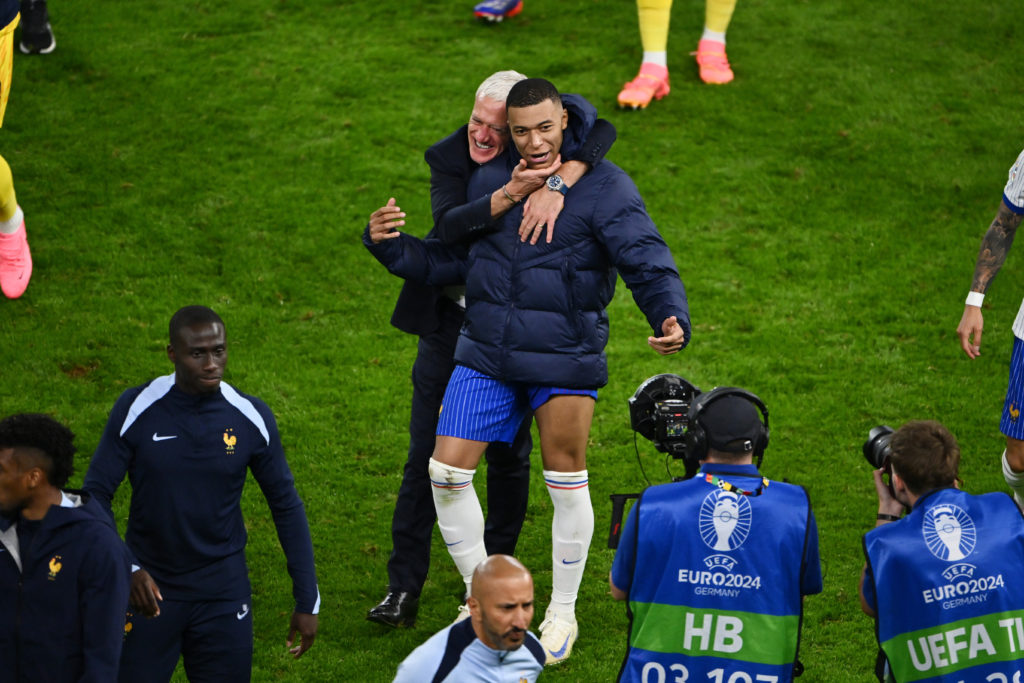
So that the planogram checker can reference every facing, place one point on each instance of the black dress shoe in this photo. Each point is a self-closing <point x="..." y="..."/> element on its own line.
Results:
<point x="398" y="608"/>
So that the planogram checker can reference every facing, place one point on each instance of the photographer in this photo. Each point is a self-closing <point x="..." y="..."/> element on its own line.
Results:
<point x="714" y="568"/>
<point x="943" y="582"/>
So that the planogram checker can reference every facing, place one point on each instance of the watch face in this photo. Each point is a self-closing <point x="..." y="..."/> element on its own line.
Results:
<point x="555" y="182"/>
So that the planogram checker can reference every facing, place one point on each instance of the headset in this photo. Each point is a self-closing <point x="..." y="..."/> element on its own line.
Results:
<point x="696" y="439"/>
<point x="666" y="410"/>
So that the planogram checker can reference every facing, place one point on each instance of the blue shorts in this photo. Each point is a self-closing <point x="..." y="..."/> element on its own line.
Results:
<point x="481" y="408"/>
<point x="1011" y="425"/>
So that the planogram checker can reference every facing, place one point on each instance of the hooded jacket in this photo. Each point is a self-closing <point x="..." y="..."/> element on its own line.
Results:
<point x="62" y="614"/>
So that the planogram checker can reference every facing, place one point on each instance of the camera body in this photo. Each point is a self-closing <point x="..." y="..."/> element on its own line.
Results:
<point x="878" y="452"/>
<point x="665" y="410"/>
<point x="659" y="411"/>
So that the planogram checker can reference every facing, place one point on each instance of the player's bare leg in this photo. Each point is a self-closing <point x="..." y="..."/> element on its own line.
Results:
<point x="464" y="453"/>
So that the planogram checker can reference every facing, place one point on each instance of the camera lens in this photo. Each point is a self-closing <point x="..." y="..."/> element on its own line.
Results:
<point x="877" y="449"/>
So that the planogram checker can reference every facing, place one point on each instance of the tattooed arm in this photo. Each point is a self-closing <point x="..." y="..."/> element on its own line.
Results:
<point x="994" y="247"/>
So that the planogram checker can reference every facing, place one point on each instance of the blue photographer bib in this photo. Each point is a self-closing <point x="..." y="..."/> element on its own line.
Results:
<point x="716" y="587"/>
<point x="946" y="585"/>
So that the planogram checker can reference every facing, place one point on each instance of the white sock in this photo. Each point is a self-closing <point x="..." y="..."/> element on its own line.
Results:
<point x="659" y="58"/>
<point x="571" y="530"/>
<point x="11" y="226"/>
<point x="1015" y="480"/>
<point x="459" y="516"/>
<point x="713" y="35"/>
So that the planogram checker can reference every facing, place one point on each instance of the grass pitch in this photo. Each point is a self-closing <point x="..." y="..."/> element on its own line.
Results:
<point x="825" y="210"/>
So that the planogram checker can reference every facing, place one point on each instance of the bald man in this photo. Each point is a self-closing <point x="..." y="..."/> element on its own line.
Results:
<point x="489" y="646"/>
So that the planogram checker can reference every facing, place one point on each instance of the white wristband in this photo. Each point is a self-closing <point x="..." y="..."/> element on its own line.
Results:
<point x="975" y="299"/>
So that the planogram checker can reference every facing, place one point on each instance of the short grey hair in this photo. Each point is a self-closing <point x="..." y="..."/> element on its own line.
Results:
<point x="497" y="85"/>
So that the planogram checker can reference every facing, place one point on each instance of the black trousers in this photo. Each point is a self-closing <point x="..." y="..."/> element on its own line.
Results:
<point x="508" y="467"/>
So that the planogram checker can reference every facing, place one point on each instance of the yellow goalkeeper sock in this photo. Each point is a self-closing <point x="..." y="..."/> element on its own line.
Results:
<point x="654" y="16"/>
<point x="8" y="202"/>
<point x="717" y="14"/>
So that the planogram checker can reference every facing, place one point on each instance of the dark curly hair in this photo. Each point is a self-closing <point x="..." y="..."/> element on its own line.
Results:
<point x="46" y="435"/>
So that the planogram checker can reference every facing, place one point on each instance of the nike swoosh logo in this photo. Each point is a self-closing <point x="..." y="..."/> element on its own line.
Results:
<point x="157" y="437"/>
<point x="245" y="610"/>
<point x="561" y="651"/>
<point x="451" y="544"/>
<point x="565" y="561"/>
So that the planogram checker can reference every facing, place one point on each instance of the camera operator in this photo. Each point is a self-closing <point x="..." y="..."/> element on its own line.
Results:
<point x="943" y="582"/>
<point x="714" y="568"/>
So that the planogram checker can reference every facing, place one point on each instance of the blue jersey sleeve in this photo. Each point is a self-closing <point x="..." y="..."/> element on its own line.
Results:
<point x="270" y="469"/>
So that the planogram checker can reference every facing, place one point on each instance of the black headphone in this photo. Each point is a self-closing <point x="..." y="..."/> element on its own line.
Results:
<point x="696" y="439"/>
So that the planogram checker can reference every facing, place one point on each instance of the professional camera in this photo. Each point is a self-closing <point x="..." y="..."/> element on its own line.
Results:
<point x="667" y="410"/>
<point x="659" y="411"/>
<point x="877" y="449"/>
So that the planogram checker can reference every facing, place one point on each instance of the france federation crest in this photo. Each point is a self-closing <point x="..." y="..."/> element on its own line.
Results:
<point x="724" y="520"/>
<point x="949" y="532"/>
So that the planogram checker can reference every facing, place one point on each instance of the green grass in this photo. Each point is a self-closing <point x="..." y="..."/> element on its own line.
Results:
<point x="825" y="211"/>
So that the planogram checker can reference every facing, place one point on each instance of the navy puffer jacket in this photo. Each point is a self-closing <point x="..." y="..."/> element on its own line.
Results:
<point x="536" y="313"/>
